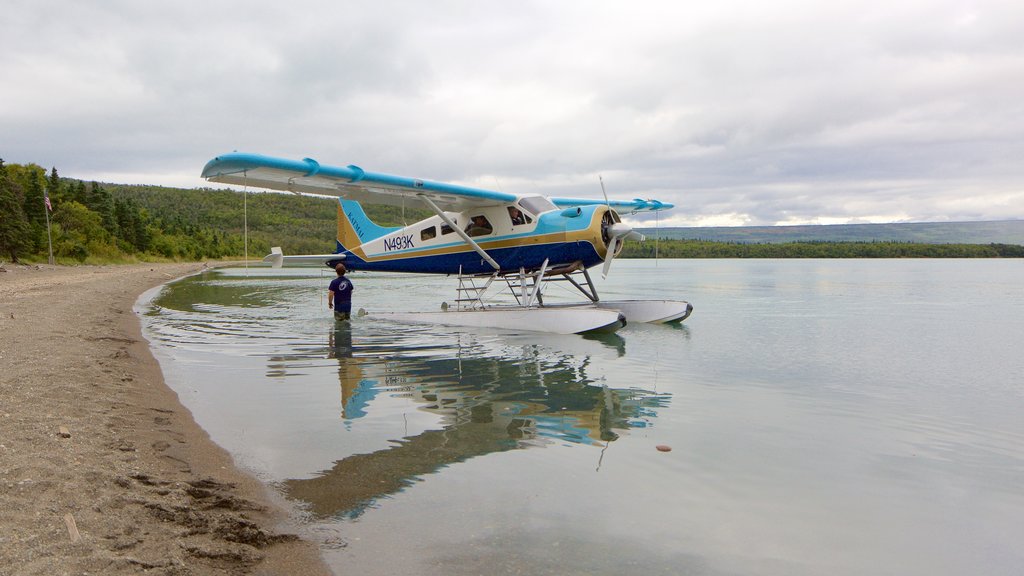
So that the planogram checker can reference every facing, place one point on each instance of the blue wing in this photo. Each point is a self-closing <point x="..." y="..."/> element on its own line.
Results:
<point x="351" y="182"/>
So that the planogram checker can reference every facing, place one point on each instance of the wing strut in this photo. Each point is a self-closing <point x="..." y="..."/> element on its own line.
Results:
<point x="483" y="253"/>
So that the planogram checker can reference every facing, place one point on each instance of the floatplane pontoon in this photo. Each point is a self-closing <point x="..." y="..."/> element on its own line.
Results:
<point x="484" y="237"/>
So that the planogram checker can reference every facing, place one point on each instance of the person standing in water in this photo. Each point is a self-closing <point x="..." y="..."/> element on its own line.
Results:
<point x="339" y="294"/>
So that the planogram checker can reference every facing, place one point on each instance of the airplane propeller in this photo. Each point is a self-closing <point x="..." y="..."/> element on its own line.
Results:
<point x="613" y="232"/>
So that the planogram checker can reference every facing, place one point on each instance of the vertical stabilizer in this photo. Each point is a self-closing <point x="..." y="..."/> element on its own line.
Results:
<point x="355" y="228"/>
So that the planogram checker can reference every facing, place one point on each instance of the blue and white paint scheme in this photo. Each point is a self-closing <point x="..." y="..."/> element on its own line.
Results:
<point x="473" y="232"/>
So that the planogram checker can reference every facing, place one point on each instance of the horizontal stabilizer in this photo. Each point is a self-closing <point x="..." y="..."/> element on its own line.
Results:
<point x="276" y="259"/>
<point x="635" y="205"/>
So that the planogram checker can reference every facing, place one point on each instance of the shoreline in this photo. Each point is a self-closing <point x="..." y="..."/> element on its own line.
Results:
<point x="102" y="470"/>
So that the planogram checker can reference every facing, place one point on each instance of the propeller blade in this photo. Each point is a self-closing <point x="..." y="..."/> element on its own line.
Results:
<point x="612" y="245"/>
<point x="617" y="232"/>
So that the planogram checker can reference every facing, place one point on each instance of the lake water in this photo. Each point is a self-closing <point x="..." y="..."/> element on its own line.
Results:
<point x="842" y="417"/>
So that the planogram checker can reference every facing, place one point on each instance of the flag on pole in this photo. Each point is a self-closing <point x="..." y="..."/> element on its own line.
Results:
<point x="46" y="199"/>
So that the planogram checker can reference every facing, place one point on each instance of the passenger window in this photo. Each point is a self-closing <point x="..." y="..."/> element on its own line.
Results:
<point x="479" y="226"/>
<point x="445" y="229"/>
<point x="428" y="233"/>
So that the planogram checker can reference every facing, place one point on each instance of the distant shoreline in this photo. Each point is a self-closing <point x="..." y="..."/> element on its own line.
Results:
<point x="665" y="248"/>
<point x="978" y="232"/>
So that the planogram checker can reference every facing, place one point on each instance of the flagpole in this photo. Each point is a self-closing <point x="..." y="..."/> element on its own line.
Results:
<point x="46" y="210"/>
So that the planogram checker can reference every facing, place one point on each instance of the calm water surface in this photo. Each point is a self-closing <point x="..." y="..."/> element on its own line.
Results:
<point x="825" y="417"/>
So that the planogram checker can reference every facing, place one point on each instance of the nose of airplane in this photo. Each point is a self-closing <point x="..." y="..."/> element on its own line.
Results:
<point x="615" y="232"/>
<point x="619" y="230"/>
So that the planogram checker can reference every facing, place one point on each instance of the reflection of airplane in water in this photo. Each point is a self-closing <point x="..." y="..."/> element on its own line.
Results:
<point x="520" y="397"/>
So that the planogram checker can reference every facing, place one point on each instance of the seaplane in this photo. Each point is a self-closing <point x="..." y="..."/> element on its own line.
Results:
<point x="486" y="238"/>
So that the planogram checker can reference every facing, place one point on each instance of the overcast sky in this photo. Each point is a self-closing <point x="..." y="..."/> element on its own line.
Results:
<point x="741" y="113"/>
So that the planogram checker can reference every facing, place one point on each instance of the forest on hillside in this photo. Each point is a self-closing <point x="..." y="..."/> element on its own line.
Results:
<point x="108" y="223"/>
<point x="102" y="223"/>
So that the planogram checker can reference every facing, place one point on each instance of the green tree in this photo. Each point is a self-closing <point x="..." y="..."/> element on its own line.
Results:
<point x="32" y="179"/>
<point x="125" y="215"/>
<point x="55" y="187"/>
<point x="14" y="226"/>
<point x="79" y="232"/>
<point x="100" y="202"/>
<point x="75" y="217"/>
<point x="78" y="193"/>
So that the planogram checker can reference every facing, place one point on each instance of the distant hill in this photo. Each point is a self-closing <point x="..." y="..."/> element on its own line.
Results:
<point x="1000" y="232"/>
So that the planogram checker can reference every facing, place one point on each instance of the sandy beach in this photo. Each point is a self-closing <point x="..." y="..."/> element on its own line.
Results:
<point x="102" y="471"/>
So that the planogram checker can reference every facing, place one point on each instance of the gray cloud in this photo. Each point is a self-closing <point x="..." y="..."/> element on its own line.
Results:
<point x="738" y="113"/>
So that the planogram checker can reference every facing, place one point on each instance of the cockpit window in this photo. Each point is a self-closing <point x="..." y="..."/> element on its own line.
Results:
<point x="536" y="204"/>
<point x="428" y="233"/>
<point x="517" y="216"/>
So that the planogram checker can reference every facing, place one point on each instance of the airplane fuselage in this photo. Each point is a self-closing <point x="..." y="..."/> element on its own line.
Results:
<point x="560" y="236"/>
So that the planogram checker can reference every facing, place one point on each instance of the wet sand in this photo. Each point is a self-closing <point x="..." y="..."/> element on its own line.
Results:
<point x="102" y="470"/>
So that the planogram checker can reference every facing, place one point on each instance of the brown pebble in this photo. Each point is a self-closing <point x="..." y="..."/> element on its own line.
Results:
<point x="663" y="448"/>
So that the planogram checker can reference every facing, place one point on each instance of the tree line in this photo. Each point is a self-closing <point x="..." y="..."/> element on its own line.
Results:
<point x="104" y="223"/>
<point x="815" y="249"/>
<point x="85" y="220"/>
<point x="101" y="223"/>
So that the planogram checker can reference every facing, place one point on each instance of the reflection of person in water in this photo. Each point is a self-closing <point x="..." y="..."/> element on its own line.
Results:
<point x="340" y="341"/>
<point x="339" y="294"/>
<point x="516" y="216"/>
<point x="478" y="226"/>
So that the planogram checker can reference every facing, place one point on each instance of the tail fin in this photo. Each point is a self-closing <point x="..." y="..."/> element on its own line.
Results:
<point x="355" y="228"/>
